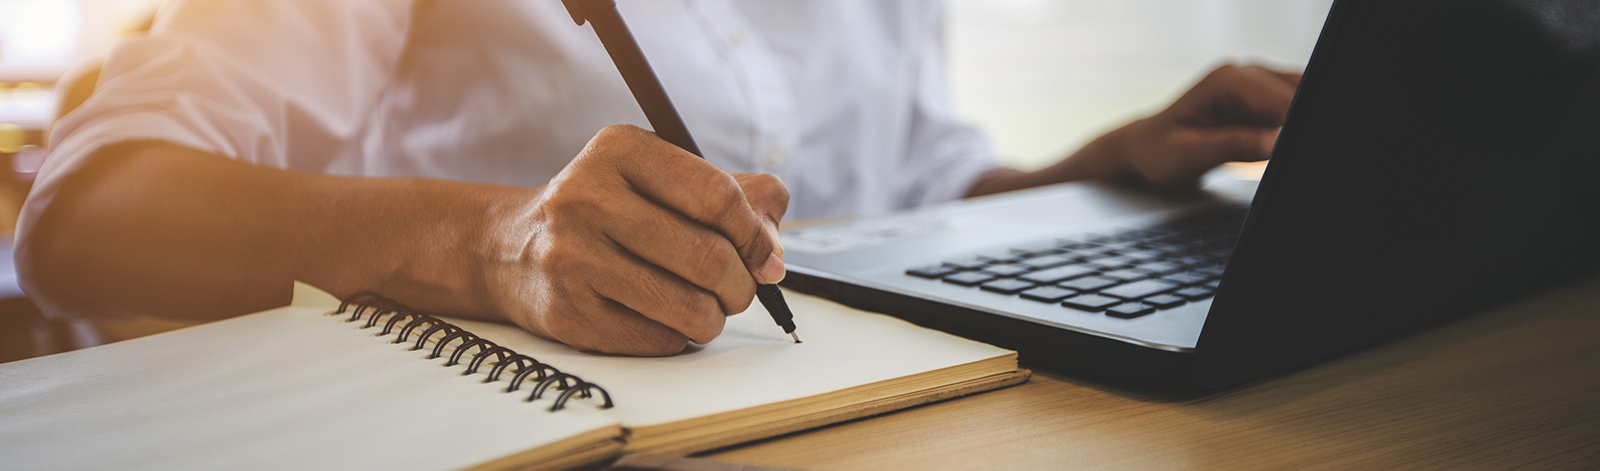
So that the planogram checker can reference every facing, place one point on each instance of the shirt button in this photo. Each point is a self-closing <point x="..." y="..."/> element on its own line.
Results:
<point x="736" y="38"/>
<point x="776" y="156"/>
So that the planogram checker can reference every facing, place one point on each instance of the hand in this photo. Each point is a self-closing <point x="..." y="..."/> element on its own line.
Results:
<point x="639" y="247"/>
<point x="1233" y="114"/>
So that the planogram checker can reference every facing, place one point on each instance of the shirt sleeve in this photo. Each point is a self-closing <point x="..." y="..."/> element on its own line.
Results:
<point x="945" y="155"/>
<point x="250" y="79"/>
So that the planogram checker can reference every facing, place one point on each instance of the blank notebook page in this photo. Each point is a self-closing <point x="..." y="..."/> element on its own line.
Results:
<point x="754" y="363"/>
<point x="289" y="388"/>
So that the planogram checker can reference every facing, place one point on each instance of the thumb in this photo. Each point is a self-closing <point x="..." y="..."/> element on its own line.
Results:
<point x="1206" y="148"/>
<point x="769" y="199"/>
<point x="1216" y="146"/>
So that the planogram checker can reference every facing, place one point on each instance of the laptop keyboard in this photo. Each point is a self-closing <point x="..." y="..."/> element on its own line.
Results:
<point x="1128" y="274"/>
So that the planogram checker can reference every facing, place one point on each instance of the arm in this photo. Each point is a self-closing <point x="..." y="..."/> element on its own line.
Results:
<point x="1233" y="114"/>
<point x="147" y="206"/>
<point x="637" y="247"/>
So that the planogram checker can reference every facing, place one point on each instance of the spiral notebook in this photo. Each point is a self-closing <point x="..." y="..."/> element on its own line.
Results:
<point x="374" y="385"/>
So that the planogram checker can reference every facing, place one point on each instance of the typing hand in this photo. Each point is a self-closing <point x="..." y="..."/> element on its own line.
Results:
<point x="1233" y="114"/>
<point x="639" y="247"/>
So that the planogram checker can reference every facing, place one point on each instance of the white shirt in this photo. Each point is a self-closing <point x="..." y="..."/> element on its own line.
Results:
<point x="844" y="100"/>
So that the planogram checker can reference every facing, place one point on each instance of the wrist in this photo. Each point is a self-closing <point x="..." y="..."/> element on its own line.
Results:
<point x="459" y="239"/>
<point x="1108" y="157"/>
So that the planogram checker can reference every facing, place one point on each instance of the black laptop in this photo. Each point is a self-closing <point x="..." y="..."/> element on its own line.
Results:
<point x="1441" y="157"/>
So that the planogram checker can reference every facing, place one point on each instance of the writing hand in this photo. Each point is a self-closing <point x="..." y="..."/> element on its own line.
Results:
<point x="638" y="247"/>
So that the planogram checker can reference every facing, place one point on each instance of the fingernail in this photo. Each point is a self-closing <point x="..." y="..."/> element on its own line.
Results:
<point x="772" y="271"/>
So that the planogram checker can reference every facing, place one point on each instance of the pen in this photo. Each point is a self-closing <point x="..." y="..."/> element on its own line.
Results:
<point x="641" y="80"/>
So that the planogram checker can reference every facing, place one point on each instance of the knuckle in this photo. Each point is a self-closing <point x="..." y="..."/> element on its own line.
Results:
<point x="617" y="131"/>
<point x="662" y="344"/>
<point x="695" y="314"/>
<point x="712" y="258"/>
<point x="702" y="316"/>
<point x="723" y="197"/>
<point x="610" y="143"/>
<point x="565" y="327"/>
<point x="742" y="296"/>
<point x="769" y="188"/>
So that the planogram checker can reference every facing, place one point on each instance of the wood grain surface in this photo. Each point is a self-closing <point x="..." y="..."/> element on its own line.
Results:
<point x="1514" y="387"/>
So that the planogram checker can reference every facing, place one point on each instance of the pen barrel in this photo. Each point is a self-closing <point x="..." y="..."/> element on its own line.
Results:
<point x="772" y="299"/>
<point x="637" y="73"/>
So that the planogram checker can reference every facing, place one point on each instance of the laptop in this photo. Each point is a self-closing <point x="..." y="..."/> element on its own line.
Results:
<point x="1441" y="157"/>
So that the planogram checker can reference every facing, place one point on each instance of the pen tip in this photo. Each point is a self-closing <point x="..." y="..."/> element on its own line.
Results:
<point x="796" y="337"/>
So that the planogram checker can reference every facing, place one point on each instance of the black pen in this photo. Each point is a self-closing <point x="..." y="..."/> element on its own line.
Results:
<point x="641" y="80"/>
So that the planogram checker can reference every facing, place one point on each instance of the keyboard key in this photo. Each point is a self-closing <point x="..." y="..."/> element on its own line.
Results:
<point x="1190" y="278"/>
<point x="1159" y="268"/>
<point x="1048" y="294"/>
<point x="1095" y="250"/>
<point x="967" y="263"/>
<point x="1110" y="263"/>
<point x="1127" y="274"/>
<point x="1006" y="286"/>
<point x="969" y="278"/>
<point x="1193" y="261"/>
<point x="1047" y="261"/>
<point x="1195" y="292"/>
<point x="1037" y="248"/>
<point x="1143" y="255"/>
<point x="1214" y="270"/>
<point x="1000" y="256"/>
<point x="1170" y="248"/>
<point x="1213" y="284"/>
<point x="931" y="271"/>
<point x="1120" y="244"/>
<point x="1090" y="302"/>
<point x="1165" y="301"/>
<point x="1059" y="273"/>
<point x="1008" y="269"/>
<point x="1091" y="258"/>
<point x="1137" y="234"/>
<point x="1089" y="283"/>
<point x="1139" y="289"/>
<point x="1129" y="310"/>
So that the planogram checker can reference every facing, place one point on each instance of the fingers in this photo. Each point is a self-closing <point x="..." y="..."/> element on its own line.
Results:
<point x="639" y="247"/>
<point x="1232" y="145"/>
<point x="697" y="189"/>
<point x="663" y="297"/>
<point x="769" y="198"/>
<point x="1239" y="95"/>
<point x="687" y="249"/>
<point x="610" y="327"/>
<point x="1207" y="148"/>
<point x="1292" y="78"/>
<point x="594" y="296"/>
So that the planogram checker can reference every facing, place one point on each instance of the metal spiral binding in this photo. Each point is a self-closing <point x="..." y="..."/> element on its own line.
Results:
<point x="376" y="307"/>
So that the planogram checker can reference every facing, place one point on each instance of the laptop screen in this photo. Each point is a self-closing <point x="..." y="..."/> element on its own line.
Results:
<point x="1441" y="157"/>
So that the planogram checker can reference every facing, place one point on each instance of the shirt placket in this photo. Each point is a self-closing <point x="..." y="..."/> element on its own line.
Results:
<point x="763" y="82"/>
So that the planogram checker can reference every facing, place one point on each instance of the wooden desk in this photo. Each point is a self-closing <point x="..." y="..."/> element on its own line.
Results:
<point x="1518" y="386"/>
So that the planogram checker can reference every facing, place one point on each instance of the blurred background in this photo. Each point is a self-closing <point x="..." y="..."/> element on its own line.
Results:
<point x="1042" y="77"/>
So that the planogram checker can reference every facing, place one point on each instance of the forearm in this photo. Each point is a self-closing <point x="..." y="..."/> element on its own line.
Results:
<point x="1097" y="160"/>
<point x="169" y="231"/>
